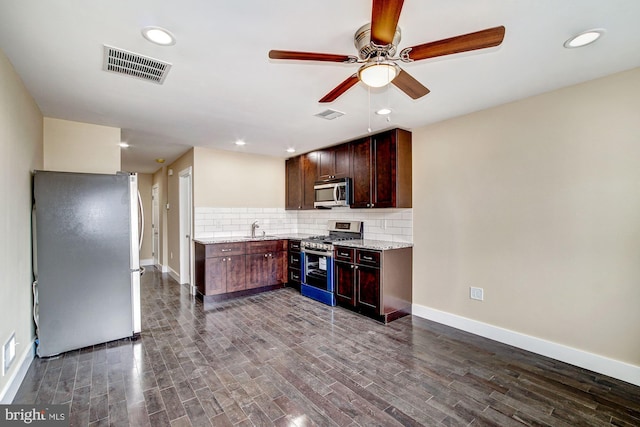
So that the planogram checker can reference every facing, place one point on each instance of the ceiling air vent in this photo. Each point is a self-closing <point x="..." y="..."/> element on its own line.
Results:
<point x="135" y="65"/>
<point x="329" y="114"/>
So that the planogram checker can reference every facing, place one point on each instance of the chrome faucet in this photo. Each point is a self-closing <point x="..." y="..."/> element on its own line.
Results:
<point x="253" y="228"/>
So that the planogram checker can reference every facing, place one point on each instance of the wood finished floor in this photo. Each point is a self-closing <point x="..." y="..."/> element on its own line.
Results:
<point x="281" y="359"/>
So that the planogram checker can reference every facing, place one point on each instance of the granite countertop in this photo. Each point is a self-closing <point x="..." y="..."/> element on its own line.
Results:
<point x="379" y="245"/>
<point x="236" y="239"/>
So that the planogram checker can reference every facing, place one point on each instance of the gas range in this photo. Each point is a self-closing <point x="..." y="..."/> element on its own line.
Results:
<point x="317" y="264"/>
<point x="338" y="231"/>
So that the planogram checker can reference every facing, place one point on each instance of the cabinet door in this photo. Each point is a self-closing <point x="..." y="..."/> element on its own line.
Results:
<point x="294" y="183"/>
<point x="215" y="276"/>
<point x="384" y="170"/>
<point x="326" y="164"/>
<point x="345" y="289"/>
<point x="278" y="268"/>
<point x="341" y="161"/>
<point x="360" y="152"/>
<point x="368" y="288"/>
<point x="256" y="270"/>
<point x="309" y="178"/>
<point x="235" y="273"/>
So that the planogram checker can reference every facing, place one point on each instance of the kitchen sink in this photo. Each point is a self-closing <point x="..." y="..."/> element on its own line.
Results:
<point x="265" y="237"/>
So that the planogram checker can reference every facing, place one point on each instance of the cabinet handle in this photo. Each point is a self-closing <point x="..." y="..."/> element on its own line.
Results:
<point x="373" y="204"/>
<point x="265" y="255"/>
<point x="226" y="250"/>
<point x="352" y="265"/>
<point x="356" y="267"/>
<point x="368" y="205"/>
<point x="367" y="258"/>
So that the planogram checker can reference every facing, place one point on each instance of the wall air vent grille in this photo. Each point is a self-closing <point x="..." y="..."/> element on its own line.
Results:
<point x="135" y="65"/>
<point x="329" y="114"/>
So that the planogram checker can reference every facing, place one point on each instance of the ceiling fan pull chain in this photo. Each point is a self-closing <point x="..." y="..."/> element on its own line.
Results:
<point x="369" y="109"/>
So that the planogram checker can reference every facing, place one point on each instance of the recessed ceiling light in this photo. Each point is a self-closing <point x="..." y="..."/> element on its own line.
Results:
<point x="584" y="38"/>
<point x="159" y="36"/>
<point x="124" y="145"/>
<point x="240" y="142"/>
<point x="160" y="160"/>
<point x="291" y="150"/>
<point x="383" y="111"/>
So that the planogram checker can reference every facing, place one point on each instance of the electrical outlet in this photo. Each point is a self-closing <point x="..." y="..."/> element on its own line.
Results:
<point x="476" y="293"/>
<point x="8" y="353"/>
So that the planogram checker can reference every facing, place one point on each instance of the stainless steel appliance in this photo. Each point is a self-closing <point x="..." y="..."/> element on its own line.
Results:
<point x="332" y="193"/>
<point x="86" y="259"/>
<point x="317" y="260"/>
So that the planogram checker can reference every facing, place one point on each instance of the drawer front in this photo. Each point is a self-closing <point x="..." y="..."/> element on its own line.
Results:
<point x="224" y="249"/>
<point x="295" y="260"/>
<point x="266" y="246"/>
<point x="294" y="276"/>
<point x="343" y="254"/>
<point x="371" y="258"/>
<point x="294" y="245"/>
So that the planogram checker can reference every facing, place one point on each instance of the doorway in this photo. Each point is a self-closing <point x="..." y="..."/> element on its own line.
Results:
<point x="155" y="225"/>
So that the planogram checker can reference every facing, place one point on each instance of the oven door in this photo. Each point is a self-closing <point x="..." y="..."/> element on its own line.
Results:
<point x="317" y="269"/>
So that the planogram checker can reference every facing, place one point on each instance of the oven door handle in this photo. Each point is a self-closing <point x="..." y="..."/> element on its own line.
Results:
<point x="307" y="251"/>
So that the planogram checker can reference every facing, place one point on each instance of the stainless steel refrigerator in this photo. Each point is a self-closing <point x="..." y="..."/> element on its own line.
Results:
<point x="86" y="259"/>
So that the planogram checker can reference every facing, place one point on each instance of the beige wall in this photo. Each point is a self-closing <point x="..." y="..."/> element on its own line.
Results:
<point x="173" y="214"/>
<point x="20" y="153"/>
<point x="80" y="147"/>
<point x="228" y="179"/>
<point x="145" y="182"/>
<point x="537" y="202"/>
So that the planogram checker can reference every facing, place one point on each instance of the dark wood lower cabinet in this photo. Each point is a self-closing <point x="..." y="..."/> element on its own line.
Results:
<point x="367" y="280"/>
<point x="374" y="283"/>
<point x="235" y="266"/>
<point x="248" y="267"/>
<point x="345" y="288"/>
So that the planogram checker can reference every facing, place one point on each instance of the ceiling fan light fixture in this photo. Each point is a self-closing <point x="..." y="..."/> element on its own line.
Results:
<point x="378" y="73"/>
<point x="584" y="38"/>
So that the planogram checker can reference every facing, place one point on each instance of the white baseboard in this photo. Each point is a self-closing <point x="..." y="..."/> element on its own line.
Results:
<point x="146" y="262"/>
<point x="8" y="393"/>
<point x="593" y="362"/>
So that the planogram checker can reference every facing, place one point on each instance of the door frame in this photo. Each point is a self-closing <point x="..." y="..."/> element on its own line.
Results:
<point x="185" y="191"/>
<point x="155" y="224"/>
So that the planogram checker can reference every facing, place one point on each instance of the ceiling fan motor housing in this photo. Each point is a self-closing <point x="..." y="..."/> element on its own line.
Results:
<point x="366" y="49"/>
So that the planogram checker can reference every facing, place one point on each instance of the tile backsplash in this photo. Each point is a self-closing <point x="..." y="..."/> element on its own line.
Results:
<point x="380" y="224"/>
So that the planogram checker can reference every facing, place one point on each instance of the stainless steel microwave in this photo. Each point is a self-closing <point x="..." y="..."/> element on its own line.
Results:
<point x="332" y="193"/>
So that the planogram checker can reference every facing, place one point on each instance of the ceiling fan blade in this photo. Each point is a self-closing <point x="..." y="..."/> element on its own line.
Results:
<point x="406" y="83"/>
<point x="340" y="89"/>
<point x="464" y="43"/>
<point x="384" y="20"/>
<point x="310" y="56"/>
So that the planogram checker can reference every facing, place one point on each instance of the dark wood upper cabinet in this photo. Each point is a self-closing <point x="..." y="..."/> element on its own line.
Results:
<point x="333" y="162"/>
<point x="301" y="174"/>
<point x="379" y="167"/>
<point x="381" y="170"/>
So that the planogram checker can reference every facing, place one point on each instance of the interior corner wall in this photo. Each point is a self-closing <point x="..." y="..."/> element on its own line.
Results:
<point x="80" y="147"/>
<point x="538" y="203"/>
<point x="21" y="152"/>
<point x="237" y="180"/>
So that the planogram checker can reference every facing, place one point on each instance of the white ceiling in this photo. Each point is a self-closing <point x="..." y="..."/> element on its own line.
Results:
<point x="223" y="87"/>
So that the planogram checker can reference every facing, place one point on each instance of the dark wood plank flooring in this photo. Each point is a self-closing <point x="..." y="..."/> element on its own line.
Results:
<point x="281" y="359"/>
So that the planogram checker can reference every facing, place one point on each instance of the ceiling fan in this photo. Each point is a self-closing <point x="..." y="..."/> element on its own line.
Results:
<point x="377" y="43"/>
